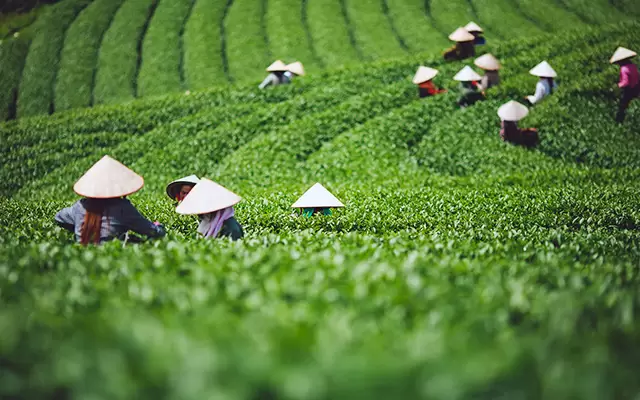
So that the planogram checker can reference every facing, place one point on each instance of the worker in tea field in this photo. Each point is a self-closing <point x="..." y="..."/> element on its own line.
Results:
<point x="424" y="79"/>
<point x="179" y="189"/>
<point x="469" y="93"/>
<point x="104" y="213"/>
<point x="294" y="69"/>
<point x="490" y="65"/>
<point x="317" y="200"/>
<point x="463" y="47"/>
<point x="214" y="205"/>
<point x="477" y="32"/>
<point x="629" y="79"/>
<point x="510" y="113"/>
<point x="546" y="84"/>
<point x="278" y="75"/>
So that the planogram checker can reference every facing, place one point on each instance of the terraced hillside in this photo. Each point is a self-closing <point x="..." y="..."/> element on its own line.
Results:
<point x="461" y="267"/>
<point x="80" y="53"/>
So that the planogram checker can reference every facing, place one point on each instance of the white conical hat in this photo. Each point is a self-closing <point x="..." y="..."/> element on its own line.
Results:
<point x="512" y="111"/>
<point x="467" y="74"/>
<point x="296" y="68"/>
<point x="424" y="74"/>
<point x="461" y="35"/>
<point x="488" y="62"/>
<point x="543" y="70"/>
<point x="108" y="179"/>
<point x="174" y="187"/>
<point x="622" y="53"/>
<point x="317" y="196"/>
<point x="277" y="66"/>
<point x="473" y="27"/>
<point x="206" y="197"/>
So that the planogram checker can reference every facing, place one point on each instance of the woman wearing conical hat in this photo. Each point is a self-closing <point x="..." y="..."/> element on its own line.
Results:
<point x="179" y="189"/>
<point x="424" y="79"/>
<point x="214" y="205"/>
<point x="277" y="75"/>
<point x="317" y="200"/>
<point x="629" y="79"/>
<point x="295" y="69"/>
<point x="546" y="84"/>
<point x="469" y="93"/>
<point x="463" y="47"/>
<point x="477" y="33"/>
<point x="510" y="113"/>
<point x="490" y="65"/>
<point x="104" y="213"/>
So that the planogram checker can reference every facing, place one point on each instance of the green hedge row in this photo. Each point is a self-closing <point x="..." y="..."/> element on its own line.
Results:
<point x="203" y="56"/>
<point x="41" y="66"/>
<point x="79" y="58"/>
<point x="374" y="34"/>
<point x="247" y="47"/>
<point x="13" y="53"/>
<point x="119" y="58"/>
<point x="162" y="49"/>
<point x="414" y="26"/>
<point x="330" y="33"/>
<point x="504" y="19"/>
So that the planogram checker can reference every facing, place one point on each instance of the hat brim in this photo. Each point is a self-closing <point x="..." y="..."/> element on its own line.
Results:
<point x="174" y="187"/>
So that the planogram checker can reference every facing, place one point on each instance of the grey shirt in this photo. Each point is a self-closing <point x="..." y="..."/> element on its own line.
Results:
<point x="489" y="79"/>
<point x="119" y="217"/>
<point x="272" y="79"/>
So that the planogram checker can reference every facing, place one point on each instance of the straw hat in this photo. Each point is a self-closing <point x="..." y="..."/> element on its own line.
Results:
<point x="317" y="196"/>
<point x="512" y="111"/>
<point x="467" y="74"/>
<point x="543" y="70"/>
<point x="461" y="35"/>
<point x="424" y="74"/>
<point x="174" y="187"/>
<point x="108" y="179"/>
<point x="206" y="197"/>
<point x="473" y="27"/>
<point x="277" y="66"/>
<point x="296" y="68"/>
<point x="488" y="62"/>
<point x="622" y="53"/>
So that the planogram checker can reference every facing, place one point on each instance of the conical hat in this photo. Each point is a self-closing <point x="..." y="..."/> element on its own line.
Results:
<point x="174" y="187"/>
<point x="317" y="196"/>
<point x="543" y="70"/>
<point x="424" y="74"/>
<point x="467" y="74"/>
<point x="622" y="53"/>
<point x="108" y="179"/>
<point x="461" y="35"/>
<point x="488" y="62"/>
<point x="277" y="66"/>
<point x="296" y="68"/>
<point x="206" y="197"/>
<point x="473" y="27"/>
<point x="512" y="111"/>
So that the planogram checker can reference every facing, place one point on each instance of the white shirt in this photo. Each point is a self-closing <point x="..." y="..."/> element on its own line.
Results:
<point x="543" y="89"/>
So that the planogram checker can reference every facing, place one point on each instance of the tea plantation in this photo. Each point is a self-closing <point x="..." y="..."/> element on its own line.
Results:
<point x="461" y="267"/>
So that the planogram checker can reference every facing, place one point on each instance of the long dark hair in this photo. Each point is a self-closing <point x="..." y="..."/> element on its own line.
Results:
<point x="92" y="224"/>
<point x="550" y="80"/>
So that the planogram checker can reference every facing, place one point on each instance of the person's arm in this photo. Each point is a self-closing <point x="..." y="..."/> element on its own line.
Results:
<point x="64" y="219"/>
<point x="267" y="81"/>
<point x="538" y="95"/>
<point x="624" y="77"/>
<point x="134" y="221"/>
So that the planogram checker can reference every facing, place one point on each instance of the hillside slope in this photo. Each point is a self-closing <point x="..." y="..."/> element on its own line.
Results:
<point x="81" y="53"/>
<point x="461" y="267"/>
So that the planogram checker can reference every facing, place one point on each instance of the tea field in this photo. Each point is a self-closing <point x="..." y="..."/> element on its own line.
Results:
<point x="461" y="267"/>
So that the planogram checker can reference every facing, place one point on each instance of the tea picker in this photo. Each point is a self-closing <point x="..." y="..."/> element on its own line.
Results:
<point x="477" y="33"/>
<point x="491" y="66"/>
<point x="277" y="75"/>
<point x="463" y="47"/>
<point x="317" y="200"/>
<point x="214" y="205"/>
<point x="104" y="213"/>
<point x="180" y="188"/>
<point x="424" y="79"/>
<point x="469" y="94"/>
<point x="629" y="79"/>
<point x="510" y="113"/>
<point x="546" y="84"/>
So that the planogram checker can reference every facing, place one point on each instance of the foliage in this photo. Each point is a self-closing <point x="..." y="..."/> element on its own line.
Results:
<point x="247" y="48"/>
